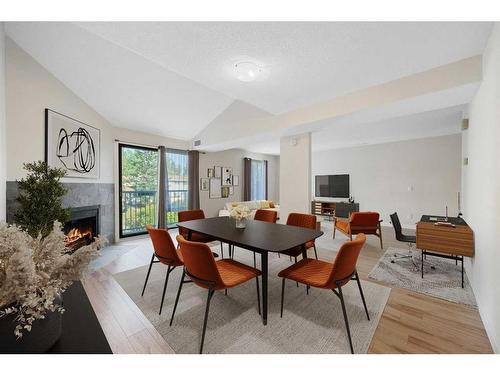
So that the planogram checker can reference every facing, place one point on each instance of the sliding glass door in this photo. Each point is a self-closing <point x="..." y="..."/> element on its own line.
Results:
<point x="138" y="187"/>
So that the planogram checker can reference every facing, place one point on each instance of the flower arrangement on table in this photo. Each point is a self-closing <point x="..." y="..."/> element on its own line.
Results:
<point x="240" y="213"/>
<point x="34" y="272"/>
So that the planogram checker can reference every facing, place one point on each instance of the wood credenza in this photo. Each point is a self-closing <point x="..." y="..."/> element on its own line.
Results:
<point x="330" y="209"/>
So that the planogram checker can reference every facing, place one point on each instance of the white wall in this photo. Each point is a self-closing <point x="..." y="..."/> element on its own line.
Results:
<point x="234" y="158"/>
<point x="31" y="89"/>
<point x="481" y="186"/>
<point x="411" y="177"/>
<point x="295" y="175"/>
<point x="3" y="148"/>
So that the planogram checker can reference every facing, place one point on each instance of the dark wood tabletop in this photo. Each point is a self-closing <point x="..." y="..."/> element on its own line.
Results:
<point x="258" y="235"/>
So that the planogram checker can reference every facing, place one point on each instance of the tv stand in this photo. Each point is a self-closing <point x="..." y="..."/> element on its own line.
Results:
<point x="331" y="209"/>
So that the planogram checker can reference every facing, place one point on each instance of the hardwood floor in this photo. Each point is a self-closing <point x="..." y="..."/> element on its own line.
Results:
<point x="411" y="322"/>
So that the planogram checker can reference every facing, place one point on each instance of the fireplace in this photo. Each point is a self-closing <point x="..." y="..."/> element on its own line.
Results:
<point x="82" y="227"/>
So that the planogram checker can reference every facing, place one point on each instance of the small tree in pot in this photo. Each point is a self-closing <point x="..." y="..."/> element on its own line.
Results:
<point x="40" y="199"/>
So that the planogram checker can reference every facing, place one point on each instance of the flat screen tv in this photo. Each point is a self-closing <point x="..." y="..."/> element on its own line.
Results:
<point x="332" y="186"/>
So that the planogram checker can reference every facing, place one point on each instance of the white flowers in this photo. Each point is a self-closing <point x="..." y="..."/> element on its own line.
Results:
<point x="33" y="271"/>
<point x="239" y="212"/>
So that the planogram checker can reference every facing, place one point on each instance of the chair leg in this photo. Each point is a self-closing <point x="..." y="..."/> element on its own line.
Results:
<point x="178" y="294"/>
<point x="165" y="287"/>
<point x="147" y="276"/>
<point x="315" y="252"/>
<point x="209" y="297"/>
<point x="282" y="296"/>
<point x="362" y="295"/>
<point x="254" y="261"/>
<point x="380" y="236"/>
<point x="341" y="296"/>
<point x="296" y="281"/>
<point x="258" y="293"/>
<point x="334" y="230"/>
<point x="221" y="250"/>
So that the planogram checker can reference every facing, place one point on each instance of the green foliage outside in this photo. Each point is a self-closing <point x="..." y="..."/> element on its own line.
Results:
<point x="40" y="199"/>
<point x="139" y="184"/>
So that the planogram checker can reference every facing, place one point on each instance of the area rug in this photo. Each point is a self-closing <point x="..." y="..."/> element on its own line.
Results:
<point x="311" y="323"/>
<point x="442" y="277"/>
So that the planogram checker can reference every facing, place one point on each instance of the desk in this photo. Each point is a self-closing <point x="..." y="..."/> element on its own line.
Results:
<point x="258" y="236"/>
<point x="443" y="241"/>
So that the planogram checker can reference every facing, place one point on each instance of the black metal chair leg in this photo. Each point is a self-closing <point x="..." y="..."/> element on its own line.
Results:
<point x="315" y="252"/>
<point x="258" y="293"/>
<point x="307" y="289"/>
<point x="221" y="250"/>
<point x="462" y="271"/>
<point x="209" y="297"/>
<point x="296" y="281"/>
<point x="422" y="265"/>
<point x="165" y="287"/>
<point x="254" y="261"/>
<point x="147" y="276"/>
<point x="282" y="296"/>
<point x="178" y="294"/>
<point x="362" y="295"/>
<point x="341" y="296"/>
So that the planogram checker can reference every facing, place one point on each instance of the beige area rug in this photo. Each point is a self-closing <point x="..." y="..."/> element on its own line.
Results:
<point x="311" y="323"/>
<point x="443" y="281"/>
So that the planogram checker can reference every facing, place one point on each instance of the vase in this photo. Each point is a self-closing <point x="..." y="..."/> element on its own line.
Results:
<point x="241" y="223"/>
<point x="43" y="335"/>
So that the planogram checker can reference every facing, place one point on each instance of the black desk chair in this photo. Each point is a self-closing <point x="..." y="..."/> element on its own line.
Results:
<point x="410" y="240"/>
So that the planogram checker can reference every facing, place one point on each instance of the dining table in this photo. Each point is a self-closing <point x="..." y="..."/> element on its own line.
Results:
<point x="257" y="236"/>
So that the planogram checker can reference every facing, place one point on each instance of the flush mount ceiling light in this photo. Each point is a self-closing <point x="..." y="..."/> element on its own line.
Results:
<point x="247" y="71"/>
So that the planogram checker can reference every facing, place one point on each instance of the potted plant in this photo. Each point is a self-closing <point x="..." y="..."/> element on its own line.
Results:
<point x="240" y="214"/>
<point x="35" y="265"/>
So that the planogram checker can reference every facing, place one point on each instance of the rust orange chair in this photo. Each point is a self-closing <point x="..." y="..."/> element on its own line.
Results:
<point x="196" y="237"/>
<point x="304" y="221"/>
<point x="325" y="275"/>
<point x="165" y="253"/>
<point x="202" y="269"/>
<point x="360" y="222"/>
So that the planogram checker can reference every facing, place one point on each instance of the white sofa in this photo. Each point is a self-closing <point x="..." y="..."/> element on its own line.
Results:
<point x="252" y="205"/>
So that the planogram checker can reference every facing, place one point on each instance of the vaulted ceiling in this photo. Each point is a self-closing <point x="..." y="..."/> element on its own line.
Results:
<point x="174" y="79"/>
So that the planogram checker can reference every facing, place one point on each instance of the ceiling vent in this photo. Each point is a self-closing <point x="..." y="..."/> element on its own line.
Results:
<point x="197" y="142"/>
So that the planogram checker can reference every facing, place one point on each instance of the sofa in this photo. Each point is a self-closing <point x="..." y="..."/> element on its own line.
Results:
<point x="252" y="205"/>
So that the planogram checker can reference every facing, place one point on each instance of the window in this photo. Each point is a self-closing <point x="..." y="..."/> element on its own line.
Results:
<point x="258" y="180"/>
<point x="177" y="174"/>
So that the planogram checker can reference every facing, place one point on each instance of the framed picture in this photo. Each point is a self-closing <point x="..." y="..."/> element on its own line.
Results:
<point x="225" y="191"/>
<point x="227" y="176"/>
<point x="236" y="180"/>
<point x="210" y="173"/>
<point x="72" y="145"/>
<point x="231" y="190"/>
<point x="215" y="188"/>
<point x="217" y="172"/>
<point x="204" y="184"/>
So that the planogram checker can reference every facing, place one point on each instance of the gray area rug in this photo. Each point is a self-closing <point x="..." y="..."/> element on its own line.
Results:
<point x="444" y="281"/>
<point x="311" y="323"/>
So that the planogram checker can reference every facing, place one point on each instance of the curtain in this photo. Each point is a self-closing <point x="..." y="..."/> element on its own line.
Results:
<point x="193" y="180"/>
<point x="247" y="179"/>
<point x="265" y="180"/>
<point x="162" y="187"/>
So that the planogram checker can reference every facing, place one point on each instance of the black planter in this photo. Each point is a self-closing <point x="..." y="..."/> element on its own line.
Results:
<point x="44" y="334"/>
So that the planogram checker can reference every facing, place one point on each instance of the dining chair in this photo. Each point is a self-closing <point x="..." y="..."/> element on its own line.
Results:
<point x="196" y="237"/>
<point x="262" y="215"/>
<point x="203" y="270"/>
<point x="165" y="252"/>
<point x="325" y="275"/>
<point x="304" y="221"/>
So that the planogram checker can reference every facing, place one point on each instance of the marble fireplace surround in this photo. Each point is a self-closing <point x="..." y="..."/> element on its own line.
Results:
<point x="79" y="195"/>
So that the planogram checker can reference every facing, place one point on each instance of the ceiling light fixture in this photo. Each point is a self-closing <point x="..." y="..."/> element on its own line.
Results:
<point x="247" y="71"/>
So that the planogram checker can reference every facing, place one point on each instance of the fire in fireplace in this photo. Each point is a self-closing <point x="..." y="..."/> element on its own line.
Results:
<point x="82" y="228"/>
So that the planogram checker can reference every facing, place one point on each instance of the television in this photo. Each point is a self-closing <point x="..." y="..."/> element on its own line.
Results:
<point x="332" y="186"/>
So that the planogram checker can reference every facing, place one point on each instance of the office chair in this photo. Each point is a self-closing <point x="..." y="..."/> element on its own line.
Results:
<point x="409" y="240"/>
